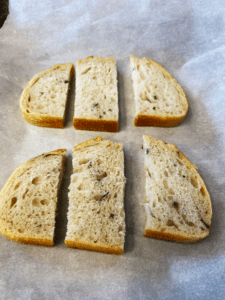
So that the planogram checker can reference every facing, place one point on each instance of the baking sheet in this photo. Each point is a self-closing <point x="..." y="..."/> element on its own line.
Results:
<point x="188" y="39"/>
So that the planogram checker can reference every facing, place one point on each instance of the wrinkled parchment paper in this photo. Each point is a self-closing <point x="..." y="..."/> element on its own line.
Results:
<point x="188" y="39"/>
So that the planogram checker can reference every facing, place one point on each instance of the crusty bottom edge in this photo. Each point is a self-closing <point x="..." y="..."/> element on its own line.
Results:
<point x="43" y="121"/>
<point x="173" y="237"/>
<point x="157" y="121"/>
<point x="95" y="125"/>
<point x="28" y="240"/>
<point x="77" y="245"/>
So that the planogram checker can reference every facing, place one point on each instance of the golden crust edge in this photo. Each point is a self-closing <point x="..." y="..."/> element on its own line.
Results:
<point x="96" y="125"/>
<point x="173" y="237"/>
<point x="79" y="244"/>
<point x="157" y="121"/>
<point x="100" y="58"/>
<point x="25" y="239"/>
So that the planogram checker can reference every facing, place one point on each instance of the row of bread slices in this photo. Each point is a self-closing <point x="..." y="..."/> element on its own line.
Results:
<point x="177" y="205"/>
<point x="159" y="99"/>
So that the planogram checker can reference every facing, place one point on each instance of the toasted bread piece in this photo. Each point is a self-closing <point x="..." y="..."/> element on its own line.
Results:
<point x="43" y="101"/>
<point x="96" y="218"/>
<point x="178" y="205"/>
<point x="96" y="104"/>
<point x="159" y="99"/>
<point x="28" y="200"/>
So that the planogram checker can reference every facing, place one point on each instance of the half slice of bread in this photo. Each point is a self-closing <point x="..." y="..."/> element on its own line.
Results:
<point x="159" y="99"/>
<point x="178" y="205"/>
<point x="96" y="218"/>
<point x="28" y="200"/>
<point x="96" y="104"/>
<point x="43" y="101"/>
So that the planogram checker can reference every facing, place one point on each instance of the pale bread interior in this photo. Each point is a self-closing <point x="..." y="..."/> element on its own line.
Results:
<point x="96" y="199"/>
<point x="28" y="201"/>
<point x="47" y="93"/>
<point x="156" y="92"/>
<point x="177" y="200"/>
<point x="96" y="89"/>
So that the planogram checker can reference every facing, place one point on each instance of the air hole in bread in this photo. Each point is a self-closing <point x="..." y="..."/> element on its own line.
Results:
<point x="115" y="195"/>
<point x="194" y="181"/>
<point x="203" y="191"/>
<point x="36" y="180"/>
<point x="188" y="222"/>
<point x="154" y="204"/>
<point x="165" y="183"/>
<point x="85" y="71"/>
<point x="98" y="197"/>
<point x="179" y="162"/>
<point x="81" y="187"/>
<point x="166" y="173"/>
<point x="20" y="230"/>
<point x="171" y="192"/>
<point x="101" y="176"/>
<point x="27" y="111"/>
<point x="17" y="185"/>
<point x="171" y="223"/>
<point x="36" y="202"/>
<point x="160" y="199"/>
<point x="83" y="161"/>
<point x="45" y="202"/>
<point x="13" y="202"/>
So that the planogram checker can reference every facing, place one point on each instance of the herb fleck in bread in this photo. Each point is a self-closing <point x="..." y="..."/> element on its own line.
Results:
<point x="159" y="99"/>
<point x="43" y="101"/>
<point x="96" y="104"/>
<point x="178" y="205"/>
<point x="96" y="218"/>
<point x="28" y="199"/>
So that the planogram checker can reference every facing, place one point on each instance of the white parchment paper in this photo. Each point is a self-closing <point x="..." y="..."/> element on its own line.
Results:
<point x="188" y="39"/>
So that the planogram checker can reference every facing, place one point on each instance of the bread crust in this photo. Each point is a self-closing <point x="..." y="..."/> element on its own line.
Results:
<point x="173" y="237"/>
<point x="157" y="121"/>
<point x="87" y="143"/>
<point x="20" y="237"/>
<point x="161" y="120"/>
<point x="40" y="119"/>
<point x="82" y="244"/>
<point x="96" y="125"/>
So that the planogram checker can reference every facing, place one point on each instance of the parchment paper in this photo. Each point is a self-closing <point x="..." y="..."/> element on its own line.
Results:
<point x="188" y="39"/>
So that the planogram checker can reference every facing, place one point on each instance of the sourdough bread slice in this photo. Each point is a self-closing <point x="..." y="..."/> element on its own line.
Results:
<point x="96" y="104"/>
<point x="43" y="101"/>
<point x="96" y="218"/>
<point x="178" y="205"/>
<point x="159" y="99"/>
<point x="28" y="200"/>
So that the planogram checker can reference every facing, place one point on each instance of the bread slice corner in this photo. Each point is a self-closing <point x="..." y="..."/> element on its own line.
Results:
<point x="43" y="101"/>
<point x="96" y="217"/>
<point x="178" y="205"/>
<point x="28" y="200"/>
<point x="159" y="99"/>
<point x="96" y="104"/>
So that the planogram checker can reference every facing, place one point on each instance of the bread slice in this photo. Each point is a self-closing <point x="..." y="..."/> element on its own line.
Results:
<point x="28" y="199"/>
<point x="178" y="205"/>
<point x="96" y="218"/>
<point x="96" y="104"/>
<point x="159" y="99"/>
<point x="43" y="101"/>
